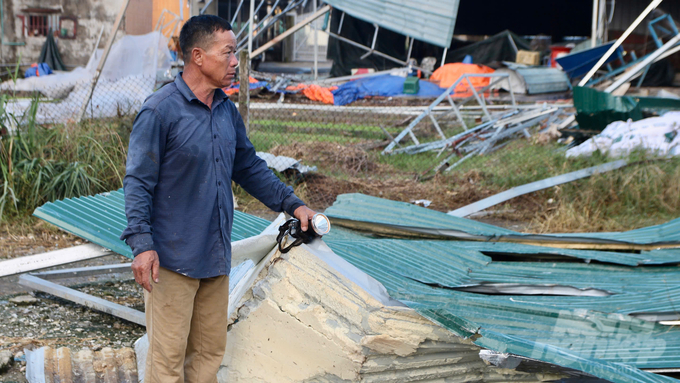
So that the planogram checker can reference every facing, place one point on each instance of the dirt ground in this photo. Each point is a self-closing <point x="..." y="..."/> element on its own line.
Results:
<point x="53" y="321"/>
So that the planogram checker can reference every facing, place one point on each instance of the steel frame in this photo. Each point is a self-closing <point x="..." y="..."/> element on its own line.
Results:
<point x="38" y="281"/>
<point x="454" y="107"/>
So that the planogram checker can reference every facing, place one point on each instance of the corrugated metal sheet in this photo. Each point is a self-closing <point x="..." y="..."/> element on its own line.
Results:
<point x="590" y="334"/>
<point x="605" y="336"/>
<point x="391" y="218"/>
<point x="430" y="21"/>
<point x="100" y="219"/>
<point x="612" y="336"/>
<point x="544" y="80"/>
<point x="47" y="364"/>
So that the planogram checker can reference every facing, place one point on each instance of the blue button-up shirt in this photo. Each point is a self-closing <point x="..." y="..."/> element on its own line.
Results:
<point x="181" y="160"/>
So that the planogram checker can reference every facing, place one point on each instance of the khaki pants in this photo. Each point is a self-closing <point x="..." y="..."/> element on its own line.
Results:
<point x="186" y="320"/>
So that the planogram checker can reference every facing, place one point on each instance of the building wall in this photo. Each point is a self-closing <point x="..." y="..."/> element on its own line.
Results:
<point x="91" y="15"/>
<point x="139" y="17"/>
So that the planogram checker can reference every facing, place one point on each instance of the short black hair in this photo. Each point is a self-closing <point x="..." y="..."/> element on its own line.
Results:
<point x="198" y="30"/>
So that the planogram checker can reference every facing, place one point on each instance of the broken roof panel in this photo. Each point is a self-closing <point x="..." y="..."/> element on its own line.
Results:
<point x="392" y="218"/>
<point x="100" y="219"/>
<point x="517" y="308"/>
<point x="430" y="21"/>
<point x="588" y="333"/>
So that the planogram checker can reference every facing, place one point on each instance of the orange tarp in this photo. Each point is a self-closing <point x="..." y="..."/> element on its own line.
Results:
<point x="229" y="91"/>
<point x="315" y="92"/>
<point x="448" y="74"/>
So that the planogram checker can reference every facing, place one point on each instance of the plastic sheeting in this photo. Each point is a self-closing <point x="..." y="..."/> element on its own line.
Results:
<point x="385" y="86"/>
<point x="656" y="135"/>
<point x="448" y="74"/>
<point x="500" y="47"/>
<point x="128" y="77"/>
<point x="143" y="55"/>
<point x="50" y="54"/>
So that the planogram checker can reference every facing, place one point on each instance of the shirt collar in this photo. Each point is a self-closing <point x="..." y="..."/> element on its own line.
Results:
<point x="190" y="96"/>
<point x="184" y="88"/>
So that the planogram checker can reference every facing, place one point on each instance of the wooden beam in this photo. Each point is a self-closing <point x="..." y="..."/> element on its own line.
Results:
<point x="244" y="90"/>
<point x="52" y="258"/>
<point x="102" y="60"/>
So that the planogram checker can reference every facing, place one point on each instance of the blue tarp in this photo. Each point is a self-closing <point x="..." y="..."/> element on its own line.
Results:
<point x="253" y="85"/>
<point x="386" y="86"/>
<point x="41" y="69"/>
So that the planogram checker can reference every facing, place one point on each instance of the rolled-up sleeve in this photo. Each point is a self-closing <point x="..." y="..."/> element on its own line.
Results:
<point x="145" y="153"/>
<point x="252" y="173"/>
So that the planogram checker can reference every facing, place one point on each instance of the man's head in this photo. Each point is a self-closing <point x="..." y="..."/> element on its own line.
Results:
<point x="209" y="46"/>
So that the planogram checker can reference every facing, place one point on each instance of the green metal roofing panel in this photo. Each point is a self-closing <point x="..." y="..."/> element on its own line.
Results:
<point x="591" y="334"/>
<point x="100" y="219"/>
<point x="359" y="211"/>
<point x="359" y="207"/>
<point x="431" y="21"/>
<point x="654" y="257"/>
<point x="612" y="336"/>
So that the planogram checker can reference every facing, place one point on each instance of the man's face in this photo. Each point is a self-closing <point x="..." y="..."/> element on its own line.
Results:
<point x="219" y="61"/>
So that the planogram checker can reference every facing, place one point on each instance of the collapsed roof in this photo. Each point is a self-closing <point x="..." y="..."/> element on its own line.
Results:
<point x="599" y="303"/>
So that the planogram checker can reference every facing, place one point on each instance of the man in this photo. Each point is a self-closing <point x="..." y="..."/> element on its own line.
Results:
<point x="187" y="144"/>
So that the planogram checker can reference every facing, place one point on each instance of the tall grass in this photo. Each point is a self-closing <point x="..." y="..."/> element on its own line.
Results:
<point x="41" y="163"/>
<point x="644" y="193"/>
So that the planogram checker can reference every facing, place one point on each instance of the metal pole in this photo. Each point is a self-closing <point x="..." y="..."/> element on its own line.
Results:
<point x="602" y="20"/>
<point x="102" y="60"/>
<point x="290" y="31"/>
<point x="618" y="42"/>
<point x="316" y="45"/>
<point x="250" y="29"/>
<point x="237" y="14"/>
<point x="639" y="67"/>
<point x="593" y="27"/>
<point x="446" y="50"/>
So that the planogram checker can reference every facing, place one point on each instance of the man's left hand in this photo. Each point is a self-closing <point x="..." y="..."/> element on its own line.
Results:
<point x="304" y="214"/>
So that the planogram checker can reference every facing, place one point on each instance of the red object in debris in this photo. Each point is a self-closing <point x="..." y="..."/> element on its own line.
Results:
<point x="557" y="51"/>
<point x="362" y="71"/>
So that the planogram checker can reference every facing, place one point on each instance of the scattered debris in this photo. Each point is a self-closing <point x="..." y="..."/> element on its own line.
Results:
<point x="659" y="136"/>
<point x="121" y="311"/>
<point x="47" y="364"/>
<point x="6" y="360"/>
<point x="533" y="80"/>
<point x="52" y="258"/>
<point x="535" y="186"/>
<point x="24" y="300"/>
<point x="127" y="79"/>
<point x="283" y="163"/>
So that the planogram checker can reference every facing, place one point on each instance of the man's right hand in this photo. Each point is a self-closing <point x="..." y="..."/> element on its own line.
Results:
<point x="144" y="266"/>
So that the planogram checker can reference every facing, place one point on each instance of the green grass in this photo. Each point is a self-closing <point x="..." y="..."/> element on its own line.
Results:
<point x="416" y="163"/>
<point x="264" y="141"/>
<point x="46" y="163"/>
<point x="521" y="162"/>
<point x="644" y="193"/>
